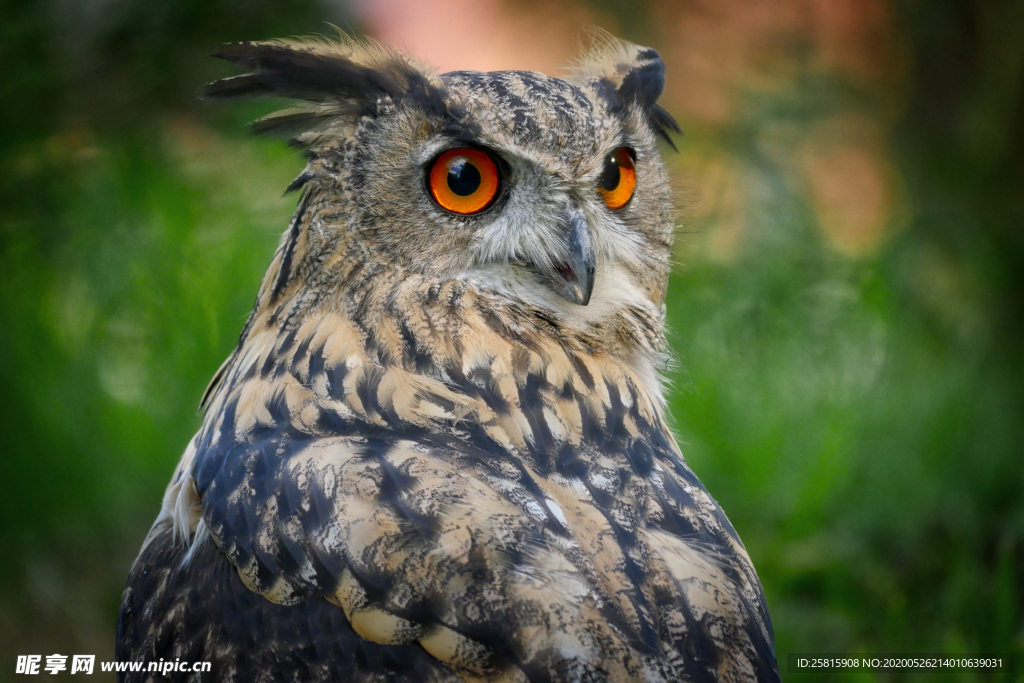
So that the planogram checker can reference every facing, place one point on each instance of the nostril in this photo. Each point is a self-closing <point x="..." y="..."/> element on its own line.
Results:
<point x="565" y="271"/>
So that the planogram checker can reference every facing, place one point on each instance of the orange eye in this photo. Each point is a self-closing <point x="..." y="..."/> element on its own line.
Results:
<point x="464" y="181"/>
<point x="618" y="180"/>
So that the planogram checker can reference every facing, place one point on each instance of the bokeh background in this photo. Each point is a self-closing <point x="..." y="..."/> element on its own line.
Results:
<point x="847" y="309"/>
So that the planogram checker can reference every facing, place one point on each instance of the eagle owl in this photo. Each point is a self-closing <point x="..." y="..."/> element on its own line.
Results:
<point x="439" y="451"/>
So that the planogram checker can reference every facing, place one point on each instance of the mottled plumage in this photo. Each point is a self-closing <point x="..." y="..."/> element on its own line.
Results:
<point x="426" y="460"/>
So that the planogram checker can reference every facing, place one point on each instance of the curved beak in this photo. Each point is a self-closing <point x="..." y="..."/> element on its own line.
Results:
<point x="572" y="275"/>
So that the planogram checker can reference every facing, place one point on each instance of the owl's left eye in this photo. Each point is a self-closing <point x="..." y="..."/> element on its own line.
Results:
<point x="464" y="180"/>
<point x="618" y="179"/>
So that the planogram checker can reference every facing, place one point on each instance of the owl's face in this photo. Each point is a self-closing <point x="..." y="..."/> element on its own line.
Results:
<point x="546" y="190"/>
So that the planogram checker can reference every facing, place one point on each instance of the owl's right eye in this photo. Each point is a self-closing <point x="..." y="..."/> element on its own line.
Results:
<point x="464" y="181"/>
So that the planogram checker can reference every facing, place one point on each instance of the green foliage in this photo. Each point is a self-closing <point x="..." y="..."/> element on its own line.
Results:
<point x="861" y="420"/>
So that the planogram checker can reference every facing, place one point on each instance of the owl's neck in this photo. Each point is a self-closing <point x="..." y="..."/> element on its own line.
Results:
<point x="378" y="345"/>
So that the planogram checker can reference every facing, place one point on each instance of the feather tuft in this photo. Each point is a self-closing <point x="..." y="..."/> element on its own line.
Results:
<point x="636" y="74"/>
<point x="346" y="78"/>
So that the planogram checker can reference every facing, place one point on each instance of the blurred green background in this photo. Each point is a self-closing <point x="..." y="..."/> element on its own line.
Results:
<point x="847" y="310"/>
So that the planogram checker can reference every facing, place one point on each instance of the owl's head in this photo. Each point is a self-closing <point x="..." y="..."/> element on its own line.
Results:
<point x="547" y="191"/>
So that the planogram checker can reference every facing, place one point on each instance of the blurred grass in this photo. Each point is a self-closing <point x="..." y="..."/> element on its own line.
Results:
<point x="860" y="416"/>
<point x="160" y="252"/>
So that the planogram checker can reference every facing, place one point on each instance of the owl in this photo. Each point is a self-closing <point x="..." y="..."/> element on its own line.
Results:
<point x="439" y="451"/>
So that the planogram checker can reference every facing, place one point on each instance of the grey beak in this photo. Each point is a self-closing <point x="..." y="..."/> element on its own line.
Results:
<point x="573" y="275"/>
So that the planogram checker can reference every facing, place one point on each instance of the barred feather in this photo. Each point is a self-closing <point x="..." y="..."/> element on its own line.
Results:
<point x="420" y="463"/>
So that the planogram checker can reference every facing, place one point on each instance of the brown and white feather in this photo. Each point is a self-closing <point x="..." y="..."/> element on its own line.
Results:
<point x="421" y="447"/>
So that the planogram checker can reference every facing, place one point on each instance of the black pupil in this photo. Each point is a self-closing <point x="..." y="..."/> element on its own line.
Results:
<point x="463" y="178"/>
<point x="610" y="176"/>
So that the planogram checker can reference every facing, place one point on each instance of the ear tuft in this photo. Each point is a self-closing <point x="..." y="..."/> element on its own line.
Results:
<point x="645" y="80"/>
<point x="634" y="73"/>
<point x="335" y="79"/>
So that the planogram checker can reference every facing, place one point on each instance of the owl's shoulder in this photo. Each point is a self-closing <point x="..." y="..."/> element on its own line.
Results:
<point x="189" y="605"/>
